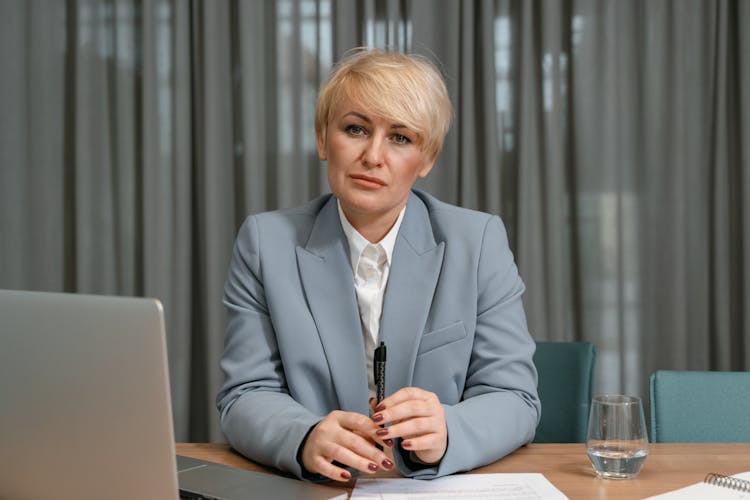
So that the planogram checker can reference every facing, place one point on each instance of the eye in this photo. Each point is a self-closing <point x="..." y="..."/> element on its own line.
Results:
<point x="355" y="130"/>
<point x="400" y="139"/>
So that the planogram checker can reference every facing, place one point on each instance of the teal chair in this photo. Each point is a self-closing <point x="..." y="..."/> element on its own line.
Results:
<point x="700" y="407"/>
<point x="566" y="374"/>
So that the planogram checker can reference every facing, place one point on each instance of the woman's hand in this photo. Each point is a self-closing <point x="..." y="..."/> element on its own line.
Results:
<point x="347" y="438"/>
<point x="418" y="418"/>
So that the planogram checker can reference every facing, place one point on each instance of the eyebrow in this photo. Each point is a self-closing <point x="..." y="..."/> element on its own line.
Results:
<point x="368" y="120"/>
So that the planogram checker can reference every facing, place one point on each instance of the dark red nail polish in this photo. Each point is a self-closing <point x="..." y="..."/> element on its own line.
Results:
<point x="388" y="442"/>
<point x="377" y="417"/>
<point x="346" y="475"/>
<point x="387" y="464"/>
<point x="405" y="444"/>
<point x="372" y="467"/>
<point x="382" y="432"/>
<point x="380" y="407"/>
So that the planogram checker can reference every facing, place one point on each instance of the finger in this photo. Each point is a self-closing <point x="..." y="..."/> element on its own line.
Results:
<point x="430" y="441"/>
<point x="382" y="437"/>
<point x="375" y="455"/>
<point x="356" y="422"/>
<point x="375" y="439"/>
<point x="429" y="447"/>
<point x="351" y="459"/>
<point x="412" y="428"/>
<point x="410" y="409"/>
<point x="331" y="437"/>
<point x="329" y="470"/>
<point x="357" y="452"/>
<point x="403" y="395"/>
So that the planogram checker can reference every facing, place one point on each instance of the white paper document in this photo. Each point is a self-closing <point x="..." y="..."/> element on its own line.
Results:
<point x="530" y="486"/>
<point x="702" y="491"/>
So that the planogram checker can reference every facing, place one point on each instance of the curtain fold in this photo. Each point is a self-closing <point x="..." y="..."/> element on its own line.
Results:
<point x="612" y="137"/>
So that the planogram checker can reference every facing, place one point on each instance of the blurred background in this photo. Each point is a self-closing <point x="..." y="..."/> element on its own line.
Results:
<point x="612" y="137"/>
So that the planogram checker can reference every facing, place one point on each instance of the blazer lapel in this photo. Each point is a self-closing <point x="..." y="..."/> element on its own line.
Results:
<point x="327" y="279"/>
<point x="415" y="269"/>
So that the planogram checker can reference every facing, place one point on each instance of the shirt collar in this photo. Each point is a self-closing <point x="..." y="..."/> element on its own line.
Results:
<point x="357" y="242"/>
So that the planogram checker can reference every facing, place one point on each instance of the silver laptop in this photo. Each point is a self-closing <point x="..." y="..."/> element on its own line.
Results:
<point x="85" y="408"/>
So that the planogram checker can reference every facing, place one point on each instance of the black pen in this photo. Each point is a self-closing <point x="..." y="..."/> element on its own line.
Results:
<point x="379" y="368"/>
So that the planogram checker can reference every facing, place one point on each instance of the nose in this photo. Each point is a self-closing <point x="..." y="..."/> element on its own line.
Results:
<point x="372" y="156"/>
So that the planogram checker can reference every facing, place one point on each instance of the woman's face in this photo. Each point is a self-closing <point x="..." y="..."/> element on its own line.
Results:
<point x="372" y="163"/>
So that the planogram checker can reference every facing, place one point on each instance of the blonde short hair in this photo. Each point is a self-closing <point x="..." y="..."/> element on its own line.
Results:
<point x="407" y="89"/>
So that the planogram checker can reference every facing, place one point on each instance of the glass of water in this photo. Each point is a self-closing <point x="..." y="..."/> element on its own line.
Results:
<point x="616" y="441"/>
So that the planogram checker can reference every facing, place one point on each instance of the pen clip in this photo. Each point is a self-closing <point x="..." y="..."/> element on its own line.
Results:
<point x="380" y="352"/>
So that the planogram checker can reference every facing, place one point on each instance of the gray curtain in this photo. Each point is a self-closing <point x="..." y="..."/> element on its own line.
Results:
<point x="612" y="137"/>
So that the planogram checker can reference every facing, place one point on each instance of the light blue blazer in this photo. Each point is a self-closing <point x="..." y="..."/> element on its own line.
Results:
<point x="452" y="320"/>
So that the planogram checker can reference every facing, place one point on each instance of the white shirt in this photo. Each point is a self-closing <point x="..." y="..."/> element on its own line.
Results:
<point x="371" y="263"/>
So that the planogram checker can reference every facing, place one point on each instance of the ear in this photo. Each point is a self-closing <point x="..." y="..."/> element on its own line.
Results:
<point x="426" y="168"/>
<point x="321" y="144"/>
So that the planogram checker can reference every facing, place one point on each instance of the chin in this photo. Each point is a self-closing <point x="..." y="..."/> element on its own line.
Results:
<point x="363" y="202"/>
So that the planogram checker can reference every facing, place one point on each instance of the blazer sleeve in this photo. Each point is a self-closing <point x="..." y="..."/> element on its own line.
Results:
<point x="499" y="409"/>
<point x="258" y="416"/>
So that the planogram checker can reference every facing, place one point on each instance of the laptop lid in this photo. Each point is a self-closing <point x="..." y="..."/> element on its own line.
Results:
<point x="202" y="479"/>
<point x="84" y="398"/>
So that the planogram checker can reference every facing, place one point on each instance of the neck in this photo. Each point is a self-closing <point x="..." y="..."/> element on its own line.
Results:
<point x="373" y="227"/>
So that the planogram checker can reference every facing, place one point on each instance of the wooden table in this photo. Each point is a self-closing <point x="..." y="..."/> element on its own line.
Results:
<point x="668" y="466"/>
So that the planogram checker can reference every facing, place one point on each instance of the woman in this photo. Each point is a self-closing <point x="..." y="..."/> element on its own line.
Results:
<point x="312" y="290"/>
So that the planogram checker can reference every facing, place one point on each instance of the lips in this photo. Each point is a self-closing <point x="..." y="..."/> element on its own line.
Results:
<point x="367" y="181"/>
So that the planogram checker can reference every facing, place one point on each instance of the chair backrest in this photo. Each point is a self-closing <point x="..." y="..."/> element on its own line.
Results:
<point x="700" y="407"/>
<point x="566" y="374"/>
